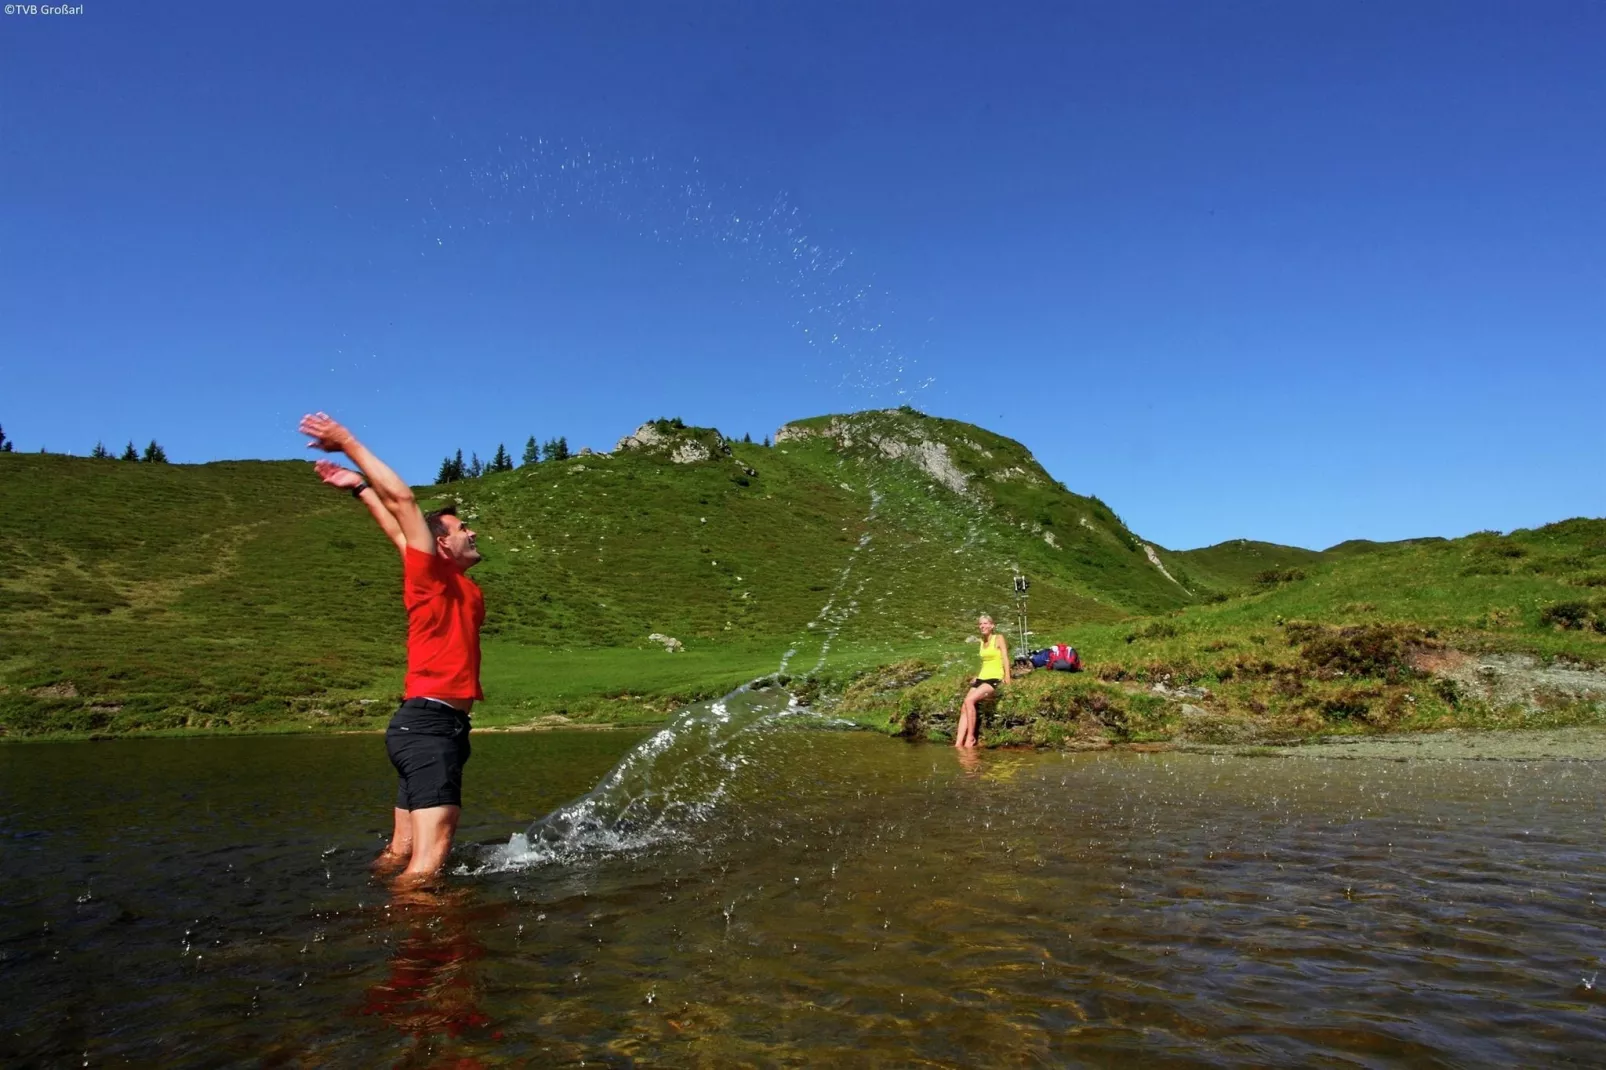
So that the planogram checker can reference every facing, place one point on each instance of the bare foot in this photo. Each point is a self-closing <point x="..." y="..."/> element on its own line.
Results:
<point x="388" y="860"/>
<point x="411" y="881"/>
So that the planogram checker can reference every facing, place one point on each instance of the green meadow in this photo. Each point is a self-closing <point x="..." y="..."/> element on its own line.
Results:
<point x="245" y="596"/>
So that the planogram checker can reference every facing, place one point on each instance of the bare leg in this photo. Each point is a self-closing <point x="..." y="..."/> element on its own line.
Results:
<point x="967" y="735"/>
<point x="433" y="829"/>
<point x="400" y="849"/>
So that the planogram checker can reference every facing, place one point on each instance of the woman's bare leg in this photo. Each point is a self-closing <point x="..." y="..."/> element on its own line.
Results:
<point x="967" y="735"/>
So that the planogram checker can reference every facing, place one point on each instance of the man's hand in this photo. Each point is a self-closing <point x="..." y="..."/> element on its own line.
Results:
<point x="326" y="434"/>
<point x="392" y="502"/>
<point x="336" y="476"/>
<point x="344" y="478"/>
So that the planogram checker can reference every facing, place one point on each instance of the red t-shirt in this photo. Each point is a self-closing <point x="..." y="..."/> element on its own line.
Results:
<point x="444" y="612"/>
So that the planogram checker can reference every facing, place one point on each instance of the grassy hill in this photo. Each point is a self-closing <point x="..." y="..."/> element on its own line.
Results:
<point x="245" y="594"/>
<point x="1240" y="564"/>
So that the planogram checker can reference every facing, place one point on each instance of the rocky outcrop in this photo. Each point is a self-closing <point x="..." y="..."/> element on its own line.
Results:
<point x="1522" y="680"/>
<point x="672" y="645"/>
<point x="1154" y="559"/>
<point x="645" y="437"/>
<point x="930" y="457"/>
<point x="933" y="445"/>
<point x="904" y="443"/>
<point x="681" y="444"/>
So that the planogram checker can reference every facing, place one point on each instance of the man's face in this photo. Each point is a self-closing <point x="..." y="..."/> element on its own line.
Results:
<point x="458" y="542"/>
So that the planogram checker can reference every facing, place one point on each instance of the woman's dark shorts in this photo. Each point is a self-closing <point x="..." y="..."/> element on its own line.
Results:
<point x="428" y="744"/>
<point x="978" y="681"/>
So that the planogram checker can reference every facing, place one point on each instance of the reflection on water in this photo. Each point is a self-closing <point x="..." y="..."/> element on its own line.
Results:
<point x="431" y="988"/>
<point x="851" y="900"/>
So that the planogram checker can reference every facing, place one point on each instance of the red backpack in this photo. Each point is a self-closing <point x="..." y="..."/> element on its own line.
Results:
<point x="1064" y="658"/>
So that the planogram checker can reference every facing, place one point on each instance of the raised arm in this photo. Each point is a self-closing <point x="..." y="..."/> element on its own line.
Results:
<point x="352" y="482"/>
<point x="394" y="495"/>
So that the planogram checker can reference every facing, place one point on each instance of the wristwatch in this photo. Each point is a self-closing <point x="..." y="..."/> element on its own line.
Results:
<point x="356" y="492"/>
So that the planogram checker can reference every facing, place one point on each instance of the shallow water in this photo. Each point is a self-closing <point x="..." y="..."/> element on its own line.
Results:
<point x="851" y="900"/>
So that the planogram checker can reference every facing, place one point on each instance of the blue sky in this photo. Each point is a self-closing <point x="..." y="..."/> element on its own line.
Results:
<point x="1297" y="272"/>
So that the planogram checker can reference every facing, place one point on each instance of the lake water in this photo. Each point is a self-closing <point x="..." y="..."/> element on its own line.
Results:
<point x="847" y="900"/>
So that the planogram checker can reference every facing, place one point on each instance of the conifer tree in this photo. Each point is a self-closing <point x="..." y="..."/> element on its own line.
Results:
<point x="130" y="454"/>
<point x="5" y="443"/>
<point x="447" y="473"/>
<point x="475" y="468"/>
<point x="766" y="440"/>
<point x="100" y="452"/>
<point x="459" y="471"/>
<point x="563" y="448"/>
<point x="532" y="452"/>
<point x="747" y="438"/>
<point x="501" y="462"/>
<point x="154" y="454"/>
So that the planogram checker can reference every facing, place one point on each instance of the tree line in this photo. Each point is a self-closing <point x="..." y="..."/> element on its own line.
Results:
<point x="153" y="453"/>
<point x="454" y="468"/>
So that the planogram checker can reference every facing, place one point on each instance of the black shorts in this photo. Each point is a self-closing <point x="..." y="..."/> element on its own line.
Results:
<point x="993" y="683"/>
<point x="428" y="744"/>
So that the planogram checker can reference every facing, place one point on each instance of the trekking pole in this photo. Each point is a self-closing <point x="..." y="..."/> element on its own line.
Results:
<point x="1021" y="586"/>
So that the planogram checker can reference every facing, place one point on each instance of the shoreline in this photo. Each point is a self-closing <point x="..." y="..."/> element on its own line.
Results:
<point x="1576" y="742"/>
<point x="297" y="730"/>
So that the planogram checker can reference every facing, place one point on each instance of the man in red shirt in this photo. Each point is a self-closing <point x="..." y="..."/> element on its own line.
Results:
<point x="427" y="739"/>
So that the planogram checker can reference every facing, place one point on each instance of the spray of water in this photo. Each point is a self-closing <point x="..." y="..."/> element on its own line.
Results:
<point x="842" y="313"/>
<point x="675" y="781"/>
<point x="665" y="787"/>
<point x="841" y="604"/>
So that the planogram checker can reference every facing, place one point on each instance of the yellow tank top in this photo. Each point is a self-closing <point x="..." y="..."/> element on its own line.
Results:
<point x="992" y="659"/>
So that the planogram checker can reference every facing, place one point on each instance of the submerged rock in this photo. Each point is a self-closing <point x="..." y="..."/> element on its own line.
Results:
<point x="1199" y="725"/>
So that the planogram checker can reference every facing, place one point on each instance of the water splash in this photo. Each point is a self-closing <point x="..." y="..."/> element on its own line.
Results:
<point x="840" y="311"/>
<point x="831" y="615"/>
<point x="675" y="780"/>
<point x="663" y="788"/>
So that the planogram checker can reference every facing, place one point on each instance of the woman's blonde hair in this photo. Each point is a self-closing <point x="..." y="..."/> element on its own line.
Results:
<point x="985" y="617"/>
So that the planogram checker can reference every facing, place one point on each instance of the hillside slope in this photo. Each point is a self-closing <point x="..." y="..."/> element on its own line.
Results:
<point x="1062" y="540"/>
<point x="183" y="595"/>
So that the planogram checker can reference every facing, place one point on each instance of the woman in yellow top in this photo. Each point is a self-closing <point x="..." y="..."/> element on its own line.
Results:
<point x="994" y="673"/>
